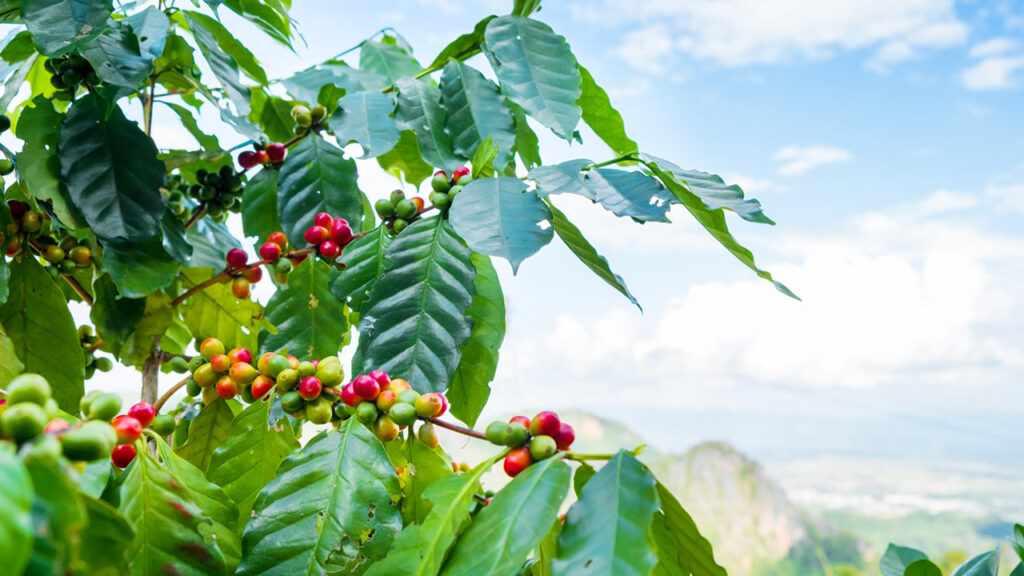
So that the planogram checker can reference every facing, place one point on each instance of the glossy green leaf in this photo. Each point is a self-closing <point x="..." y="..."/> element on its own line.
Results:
<point x="316" y="177"/>
<point x="691" y="552"/>
<point x="171" y="531"/>
<point x="629" y="194"/>
<point x="150" y="27"/>
<point x="423" y="467"/>
<point x="364" y="261"/>
<point x="586" y="252"/>
<point x="715" y="194"/>
<point x="420" y="549"/>
<point x="10" y="365"/>
<point x="117" y="58"/>
<point x="37" y="320"/>
<point x="332" y="508"/>
<point x="248" y="461"/>
<point x="156" y="319"/>
<point x="984" y="564"/>
<point x="501" y="217"/>
<point x="210" y="430"/>
<point x="39" y="163"/>
<point x="1018" y="540"/>
<point x="896" y="559"/>
<point x="215" y="312"/>
<point x="474" y="110"/>
<point x="365" y="118"/>
<point x="271" y="16"/>
<point x="224" y="66"/>
<point x="414" y="321"/>
<point x="259" y="205"/>
<point x="483" y="159"/>
<point x="607" y="530"/>
<point x="230" y="45"/>
<point x="537" y="71"/>
<point x="115" y="318"/>
<point x="274" y="116"/>
<point x="583" y="475"/>
<point x="602" y="118"/>
<point x="388" y="60"/>
<point x="61" y="26"/>
<point x="306" y="85"/>
<point x="712" y="220"/>
<point x="139" y="268"/>
<point x="16" y="521"/>
<point x="470" y="386"/>
<point x="111" y="171"/>
<point x="310" y="320"/>
<point x="419" y="110"/>
<point x="922" y="567"/>
<point x="666" y="547"/>
<point x="405" y="161"/>
<point x="105" y="539"/>
<point x="517" y="519"/>
<point x="463" y="47"/>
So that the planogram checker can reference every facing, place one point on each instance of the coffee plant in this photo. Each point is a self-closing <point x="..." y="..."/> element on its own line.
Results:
<point x="280" y="460"/>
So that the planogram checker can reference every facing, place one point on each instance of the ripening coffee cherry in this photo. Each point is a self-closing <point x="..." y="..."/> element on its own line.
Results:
<point x="81" y="256"/>
<point x="226" y="387"/>
<point x="366" y="388"/>
<point x="242" y="372"/>
<point x="292" y="402"/>
<point x="366" y="412"/>
<point x="497" y="432"/>
<point x="287" y="379"/>
<point x="386" y="399"/>
<point x="428" y="435"/>
<point x="261" y="385"/>
<point x="440" y="182"/>
<point x="278" y="364"/>
<point x="405" y="209"/>
<point x="330" y="250"/>
<point x="542" y="447"/>
<point x="210" y="348"/>
<point x="463" y="180"/>
<point x="385" y="428"/>
<point x="418" y="202"/>
<point x="565" y="437"/>
<point x="56" y="426"/>
<point x="122" y="455"/>
<point x="517" y="434"/>
<point x="348" y="395"/>
<point x="341" y="232"/>
<point x="127" y="429"/>
<point x="53" y="254"/>
<point x="22" y="422"/>
<point x="429" y="405"/>
<point x="317" y="235"/>
<point x="240" y="287"/>
<point x="104" y="406"/>
<point x="248" y="159"/>
<point x="516" y="461"/>
<point x="396" y="197"/>
<point x="31" y="388"/>
<point x="236" y="258"/>
<point x="31" y="222"/>
<point x="209" y="395"/>
<point x="205" y="376"/>
<point x="310" y="388"/>
<point x="545" y="424"/>
<point x="240" y="355"/>
<point x="270" y="251"/>
<point x="444" y="404"/>
<point x="276" y="152"/>
<point x="262" y="157"/>
<point x="253" y="275"/>
<point x="280" y="239"/>
<point x="220" y="363"/>
<point x="385" y="209"/>
<point x="143" y="412"/>
<point x="319" y="411"/>
<point x="459" y="173"/>
<point x="163" y="424"/>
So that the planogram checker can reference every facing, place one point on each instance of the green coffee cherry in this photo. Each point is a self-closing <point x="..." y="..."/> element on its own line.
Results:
<point x="104" y="406"/>
<point x="163" y="424"/>
<point x="330" y="374"/>
<point x="287" y="379"/>
<point x="104" y="364"/>
<point x="31" y="388"/>
<point x="318" y="112"/>
<point x="542" y="447"/>
<point x="92" y="441"/>
<point x="366" y="412"/>
<point x="399" y="224"/>
<point x="178" y="364"/>
<point x="44" y="449"/>
<point x="405" y="209"/>
<point x="454" y="191"/>
<point x="292" y="402"/>
<point x="440" y="182"/>
<point x="497" y="433"/>
<point x="306" y="369"/>
<point x="319" y="411"/>
<point x="403" y="414"/>
<point x="440" y="199"/>
<point x="278" y="364"/>
<point x="384" y="208"/>
<point x="408" y="396"/>
<point x="192" y="388"/>
<point x="517" y="435"/>
<point x="23" y="421"/>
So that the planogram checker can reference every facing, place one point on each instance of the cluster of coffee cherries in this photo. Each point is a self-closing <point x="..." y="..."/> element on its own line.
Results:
<point x="531" y="440"/>
<point x="128" y="428"/>
<point x="389" y="405"/>
<point x="220" y="373"/>
<point x="243" y="276"/>
<point x="35" y="228"/>
<point x="86" y="339"/>
<point x="219" y="192"/>
<point x="398" y="212"/>
<point x="330" y="235"/>
<point x="273" y="251"/>
<point x="445" y="188"/>
<point x="275" y="152"/>
<point x="67" y="73"/>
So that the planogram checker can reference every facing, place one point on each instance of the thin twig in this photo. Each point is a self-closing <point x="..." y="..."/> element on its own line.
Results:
<point x="455" y="428"/>
<point x="232" y="272"/>
<point x="167" y="395"/>
<point x="196" y="216"/>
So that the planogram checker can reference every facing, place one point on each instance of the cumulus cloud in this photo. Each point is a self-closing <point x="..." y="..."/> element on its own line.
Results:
<point x="1009" y="197"/>
<point x="798" y="160"/>
<point x="996" y="62"/>
<point x="946" y="201"/>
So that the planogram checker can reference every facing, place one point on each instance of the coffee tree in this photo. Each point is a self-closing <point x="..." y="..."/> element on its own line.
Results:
<point x="235" y="478"/>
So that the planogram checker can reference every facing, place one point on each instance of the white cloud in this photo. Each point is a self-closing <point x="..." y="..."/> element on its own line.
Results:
<point x="1010" y="197"/>
<point x="993" y="47"/>
<point x="797" y="160"/>
<point x="946" y="201"/>
<point x="646" y="49"/>
<point x="995" y="73"/>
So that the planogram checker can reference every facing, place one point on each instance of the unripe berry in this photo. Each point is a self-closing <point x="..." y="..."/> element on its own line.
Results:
<point x="385" y="428"/>
<point x="242" y="372"/>
<point x="220" y="363"/>
<point x="497" y="432"/>
<point x="348" y="395"/>
<point x="236" y="258"/>
<point x="81" y="256"/>
<point x="330" y="374"/>
<point x="306" y="369"/>
<point x="270" y="251"/>
<point x="103" y="406"/>
<point x="323" y="219"/>
<point x="302" y="116"/>
<point x="248" y="159"/>
<point x="240" y="287"/>
<point x="261" y="385"/>
<point x="31" y="388"/>
<point x="341" y="232"/>
<point x="429" y="405"/>
<point x="309" y="388"/>
<point x="516" y="461"/>
<point x="22" y="422"/>
<point x="211" y="347"/>
<point x="384" y="208"/>
<point x="403" y="414"/>
<point x="440" y="182"/>
<point x="205" y="376"/>
<point x="407" y="395"/>
<point x="127" y="429"/>
<point x="386" y="400"/>
<point x="280" y="239"/>
<point x="240" y="355"/>
<point x="517" y="434"/>
<point x="318" y="112"/>
<point x="398" y="225"/>
<point x="319" y="411"/>
<point x="545" y="424"/>
<point x="163" y="424"/>
<point x="226" y="387"/>
<point x="178" y="364"/>
<point x="316" y="235"/>
<point x="292" y="402"/>
<point x="405" y="209"/>
<point x="276" y="152"/>
<point x="330" y="250"/>
<point x="428" y="435"/>
<point x="440" y="199"/>
<point x="366" y="412"/>
<point x="122" y="455"/>
<point x="143" y="412"/>
<point x="542" y="447"/>
<point x="53" y="254"/>
<point x="253" y="275"/>
<point x="278" y="364"/>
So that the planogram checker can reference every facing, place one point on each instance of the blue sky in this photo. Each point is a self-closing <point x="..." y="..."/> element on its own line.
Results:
<point x="883" y="137"/>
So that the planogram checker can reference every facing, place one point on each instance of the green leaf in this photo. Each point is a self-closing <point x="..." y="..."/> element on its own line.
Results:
<point x="606" y="530"/>
<point x="188" y="121"/>
<point x="117" y="58"/>
<point x="115" y="318"/>
<point x="715" y="194"/>
<point x="111" y="171"/>
<point x="16" y="521"/>
<point x="517" y="519"/>
<point x="896" y="559"/>
<point x="249" y="460"/>
<point x="388" y="60"/>
<point x="587" y="254"/>
<point x="420" y="549"/>
<point x="139" y="268"/>
<point x="274" y="116"/>
<point x="563" y="178"/>
<point x="39" y="163"/>
<point x="211" y="499"/>
<point x="922" y="567"/>
<point x="712" y="220"/>
<point x="259" y="205"/>
<point x="463" y="47"/>
<point x="150" y="27"/>
<point x="214" y="312"/>
<point x="10" y="365"/>
<point x="310" y="320"/>
<point x="211" y="241"/>
<point x="690" y="551"/>
<point x="62" y="26"/>
<point x="105" y="539"/>
<point x="626" y="193"/>
<point x="58" y="516"/>
<point x="501" y="217"/>
<point x="364" y="265"/>
<point x="583" y="475"/>
<point x="306" y="85"/>
<point x="419" y="110"/>
<point x="537" y="71"/>
<point x="169" y="526"/>
<point x="984" y="564"/>
<point x="475" y="109"/>
<point x="423" y="467"/>
<point x="331" y="509"/>
<point x="316" y="177"/>
<point x="602" y="118"/>
<point x="271" y="16"/>
<point x="365" y="118"/>
<point x="156" y="319"/>
<point x="405" y="162"/>
<point x="470" y="386"/>
<point x="1018" y="540"/>
<point x="483" y="159"/>
<point x="230" y="45"/>
<point x="414" y="321"/>
<point x="527" y="145"/>
<point x="44" y="335"/>
<point x="525" y="7"/>
<point x="209" y="431"/>
<point x="223" y="64"/>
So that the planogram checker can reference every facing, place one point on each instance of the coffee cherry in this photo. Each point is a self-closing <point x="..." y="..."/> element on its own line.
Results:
<point x="280" y="239"/>
<point x="240" y="287"/>
<point x="348" y="395"/>
<point x="545" y="424"/>
<point x="68" y="267"/>
<point x="209" y="395"/>
<point x="262" y="157"/>
<point x="192" y="388"/>
<point x="31" y="388"/>
<point x="454" y="192"/>
<point x="278" y="364"/>
<point x="385" y="209"/>
<point x="226" y="387"/>
<point x="122" y="455"/>
<point x="407" y="395"/>
<point x="205" y="376"/>
<point x="210" y="348"/>
<point x="91" y="441"/>
<point x="31" y="222"/>
<point x="22" y="422"/>
<point x="330" y="374"/>
<point x="320" y="411"/>
<point x="405" y="209"/>
<point x="517" y="434"/>
<point x="516" y="461"/>
<point x="253" y="275"/>
<point x="542" y="447"/>
<point x="53" y="254"/>
<point x="242" y="372"/>
<point x="240" y="355"/>
<point x="440" y="182"/>
<point x="163" y="424"/>
<point x="429" y="405"/>
<point x="248" y="159"/>
<point x="459" y="173"/>
<point x="283" y="267"/>
<point x="287" y="379"/>
<point x="306" y="369"/>
<point x="428" y="435"/>
<point x="440" y="199"/>
<point x="398" y="225"/>
<point x="56" y="426"/>
<point x="220" y="363"/>
<point x="341" y="232"/>
<point x="463" y="180"/>
<point x="366" y="388"/>
<point x="81" y="256"/>
<point x="302" y="115"/>
<point x="310" y="388"/>
<point x="292" y="402"/>
<point x="236" y="258"/>
<point x="385" y="428"/>
<point x="5" y="123"/>
<point x="127" y="429"/>
<point x="385" y="400"/>
<point x="104" y="406"/>
<point x="366" y="412"/>
<point x="418" y="202"/>
<point x="497" y="432"/>
<point x="143" y="412"/>
<point x="317" y="235"/>
<point x="276" y="152"/>
<point x="444" y="404"/>
<point x="261" y="385"/>
<point x="330" y="250"/>
<point x="270" y="251"/>
<point x="178" y="365"/>
<point x="323" y="219"/>
<point x="318" y="112"/>
<point x="565" y="437"/>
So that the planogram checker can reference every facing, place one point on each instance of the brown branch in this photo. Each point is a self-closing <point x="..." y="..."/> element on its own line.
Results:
<point x="232" y="272"/>
<point x="147" y="105"/>
<point x="167" y="395"/>
<point x="196" y="216"/>
<point x="150" y="375"/>
<point x="455" y="428"/>
<point x="95" y="346"/>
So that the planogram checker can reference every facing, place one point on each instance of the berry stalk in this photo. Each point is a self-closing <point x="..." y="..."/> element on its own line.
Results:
<point x="231" y="272"/>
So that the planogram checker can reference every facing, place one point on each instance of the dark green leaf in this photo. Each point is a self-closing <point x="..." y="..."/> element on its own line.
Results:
<point x="316" y="177"/>
<point x="214" y="312"/>
<point x="464" y="46"/>
<point x="388" y="60"/>
<point x="414" y="321"/>
<point x="306" y="85"/>
<point x="58" y="516"/>
<point x="470" y="386"/>
<point x="310" y="320"/>
<point x="209" y="431"/>
<point x="10" y="365"/>
<point x="405" y="162"/>
<point x="525" y="7"/>
<point x="105" y="539"/>
<point x="139" y="268"/>
<point x="364" y="264"/>
<point x="475" y="109"/>
<point x="419" y="110"/>
<point x="45" y="338"/>
<point x="61" y="26"/>
<point x="223" y="64"/>
<point x="1018" y="540"/>
<point x="188" y="121"/>
<point x="587" y="254"/>
<point x="259" y="205"/>
<point x="537" y="71"/>
<point x="16" y="521"/>
<point x="274" y="116"/>
<point x="17" y="45"/>
<point x="231" y="46"/>
<point x="922" y="567"/>
<point x="517" y="519"/>
<point x="271" y="16"/>
<point x="691" y="552"/>
<point x="604" y="120"/>
<point x="150" y="27"/>
<point x="501" y="217"/>
<point x="984" y="564"/>
<point x="39" y="163"/>
<point x="211" y="241"/>
<point x="111" y="171"/>
<point x="117" y="58"/>
<point x="897" y="558"/>
<point x="115" y="318"/>
<point x="365" y="118"/>
<point x="606" y="530"/>
<point x="331" y="509"/>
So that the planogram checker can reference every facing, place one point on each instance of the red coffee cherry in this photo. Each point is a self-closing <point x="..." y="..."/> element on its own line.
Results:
<point x="323" y="219"/>
<point x="227" y="388"/>
<point x="330" y="250"/>
<point x="341" y="232"/>
<point x="127" y="429"/>
<point x="516" y="461"/>
<point x="262" y="157"/>
<point x="276" y="152"/>
<point x="317" y="235"/>
<point x="565" y="437"/>
<point x="545" y="424"/>
<point x="143" y="412"/>
<point x="270" y="251"/>
<point x="248" y="159"/>
<point x="459" y="173"/>
<point x="280" y="239"/>
<point x="236" y="258"/>
<point x="261" y="385"/>
<point x="521" y="420"/>
<point x="366" y="388"/>
<point x="240" y="355"/>
<point x="122" y="455"/>
<point x="309" y="388"/>
<point x="253" y="275"/>
<point x="349" y="396"/>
